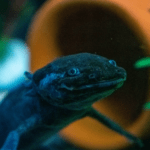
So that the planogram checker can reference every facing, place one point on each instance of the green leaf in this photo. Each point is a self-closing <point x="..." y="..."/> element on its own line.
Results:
<point x="142" y="63"/>
<point x="146" y="105"/>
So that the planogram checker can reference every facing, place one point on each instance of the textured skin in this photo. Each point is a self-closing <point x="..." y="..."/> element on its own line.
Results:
<point x="56" y="95"/>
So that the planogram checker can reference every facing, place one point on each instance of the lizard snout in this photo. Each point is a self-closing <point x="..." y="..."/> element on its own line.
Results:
<point x="121" y="73"/>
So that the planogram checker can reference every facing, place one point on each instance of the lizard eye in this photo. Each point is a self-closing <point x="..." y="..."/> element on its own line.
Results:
<point x="112" y="62"/>
<point x="73" y="71"/>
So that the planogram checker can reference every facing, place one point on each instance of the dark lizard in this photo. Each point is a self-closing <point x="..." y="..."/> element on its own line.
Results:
<point x="57" y="95"/>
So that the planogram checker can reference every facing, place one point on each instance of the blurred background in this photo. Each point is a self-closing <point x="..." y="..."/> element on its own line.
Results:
<point x="15" y="18"/>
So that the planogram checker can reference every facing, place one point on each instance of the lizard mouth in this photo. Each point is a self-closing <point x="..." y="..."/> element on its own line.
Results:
<point x="103" y="84"/>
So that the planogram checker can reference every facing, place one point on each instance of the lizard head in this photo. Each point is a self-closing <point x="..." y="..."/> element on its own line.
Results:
<point x="77" y="81"/>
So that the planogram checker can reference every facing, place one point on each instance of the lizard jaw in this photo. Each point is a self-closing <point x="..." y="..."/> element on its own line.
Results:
<point x="117" y="83"/>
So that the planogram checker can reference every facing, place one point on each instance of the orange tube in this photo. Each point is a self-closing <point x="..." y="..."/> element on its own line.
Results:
<point x="115" y="29"/>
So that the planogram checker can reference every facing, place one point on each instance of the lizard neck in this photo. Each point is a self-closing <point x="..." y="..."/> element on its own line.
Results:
<point x="58" y="117"/>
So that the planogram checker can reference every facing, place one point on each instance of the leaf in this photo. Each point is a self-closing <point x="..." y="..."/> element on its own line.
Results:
<point x="146" y="105"/>
<point x="142" y="63"/>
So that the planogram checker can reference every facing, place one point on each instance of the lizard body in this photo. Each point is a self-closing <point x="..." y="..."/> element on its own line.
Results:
<point x="58" y="94"/>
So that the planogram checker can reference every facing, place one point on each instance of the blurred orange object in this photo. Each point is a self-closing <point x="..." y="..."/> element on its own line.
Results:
<point x="115" y="29"/>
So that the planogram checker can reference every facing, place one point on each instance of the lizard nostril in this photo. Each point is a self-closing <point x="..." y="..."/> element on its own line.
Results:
<point x="92" y="76"/>
<point x="121" y="73"/>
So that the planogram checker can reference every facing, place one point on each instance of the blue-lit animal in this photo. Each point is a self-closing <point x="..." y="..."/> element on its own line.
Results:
<point x="57" y="95"/>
